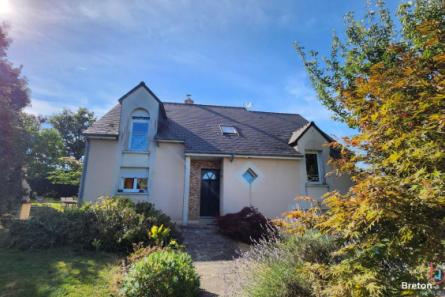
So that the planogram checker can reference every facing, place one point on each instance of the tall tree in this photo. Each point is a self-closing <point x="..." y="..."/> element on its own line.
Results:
<point x="390" y="85"/>
<point x="13" y="98"/>
<point x="68" y="172"/>
<point x="70" y="126"/>
<point x="44" y="147"/>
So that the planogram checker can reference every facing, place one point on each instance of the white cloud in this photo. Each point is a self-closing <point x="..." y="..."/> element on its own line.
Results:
<point x="75" y="43"/>
<point x="48" y="108"/>
<point x="306" y="101"/>
<point x="309" y="106"/>
<point x="33" y="19"/>
<point x="42" y="107"/>
<point x="299" y="87"/>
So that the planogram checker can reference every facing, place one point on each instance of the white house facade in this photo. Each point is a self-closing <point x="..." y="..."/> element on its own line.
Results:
<point x="193" y="161"/>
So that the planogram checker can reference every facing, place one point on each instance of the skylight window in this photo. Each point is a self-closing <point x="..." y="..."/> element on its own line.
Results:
<point x="229" y="130"/>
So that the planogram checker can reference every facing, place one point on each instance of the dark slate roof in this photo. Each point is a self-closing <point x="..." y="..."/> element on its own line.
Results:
<point x="260" y="133"/>
<point x="108" y="125"/>
<point x="198" y="126"/>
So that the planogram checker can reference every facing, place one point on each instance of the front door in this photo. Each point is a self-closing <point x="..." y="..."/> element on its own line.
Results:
<point x="209" y="193"/>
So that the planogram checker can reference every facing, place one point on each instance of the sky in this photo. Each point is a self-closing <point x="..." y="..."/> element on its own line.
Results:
<point x="224" y="52"/>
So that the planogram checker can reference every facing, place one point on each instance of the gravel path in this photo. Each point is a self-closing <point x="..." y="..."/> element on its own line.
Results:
<point x="213" y="256"/>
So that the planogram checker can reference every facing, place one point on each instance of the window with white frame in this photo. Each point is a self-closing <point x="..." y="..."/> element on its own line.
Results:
<point x="134" y="184"/>
<point x="139" y="133"/>
<point x="133" y="180"/>
<point x="313" y="169"/>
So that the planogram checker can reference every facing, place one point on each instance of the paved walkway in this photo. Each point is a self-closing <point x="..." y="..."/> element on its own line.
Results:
<point x="213" y="256"/>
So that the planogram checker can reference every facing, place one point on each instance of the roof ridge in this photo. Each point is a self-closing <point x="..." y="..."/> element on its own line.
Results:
<point x="198" y="104"/>
<point x="237" y="107"/>
<point x="277" y="112"/>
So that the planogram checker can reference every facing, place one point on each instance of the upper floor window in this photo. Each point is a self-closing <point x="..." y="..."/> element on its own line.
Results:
<point x="139" y="134"/>
<point x="313" y="167"/>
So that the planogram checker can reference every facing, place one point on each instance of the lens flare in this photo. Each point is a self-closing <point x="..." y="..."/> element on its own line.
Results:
<point x="5" y="7"/>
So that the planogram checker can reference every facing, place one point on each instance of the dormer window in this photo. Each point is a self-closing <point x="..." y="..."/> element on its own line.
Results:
<point x="228" y="130"/>
<point x="139" y="134"/>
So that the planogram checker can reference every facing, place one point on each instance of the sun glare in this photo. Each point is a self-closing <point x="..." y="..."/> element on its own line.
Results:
<point x="5" y="7"/>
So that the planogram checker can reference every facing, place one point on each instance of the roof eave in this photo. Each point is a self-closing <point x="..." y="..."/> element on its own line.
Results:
<point x="100" y="136"/>
<point x="170" y="140"/>
<point x="246" y="155"/>
<point x="311" y="124"/>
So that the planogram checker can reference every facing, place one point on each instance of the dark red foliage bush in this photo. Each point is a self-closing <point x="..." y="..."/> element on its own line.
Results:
<point x="248" y="226"/>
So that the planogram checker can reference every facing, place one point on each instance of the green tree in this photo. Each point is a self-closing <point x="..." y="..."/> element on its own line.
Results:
<point x="389" y="84"/>
<point x="13" y="98"/>
<point x="44" y="147"/>
<point x="43" y="154"/>
<point x="68" y="172"/>
<point x="49" y="171"/>
<point x="70" y="126"/>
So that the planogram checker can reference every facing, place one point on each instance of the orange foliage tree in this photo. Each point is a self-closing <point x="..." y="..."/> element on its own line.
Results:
<point x="390" y="85"/>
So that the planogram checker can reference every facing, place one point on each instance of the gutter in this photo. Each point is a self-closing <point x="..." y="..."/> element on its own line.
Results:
<point x="84" y="172"/>
<point x="101" y="136"/>
<point x="297" y="157"/>
<point x="169" y="141"/>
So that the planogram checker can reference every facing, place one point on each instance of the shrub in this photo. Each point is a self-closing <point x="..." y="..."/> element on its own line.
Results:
<point x="111" y="224"/>
<point x="156" y="217"/>
<point x="162" y="274"/>
<point x="160" y="235"/>
<point x="121" y="223"/>
<point x="248" y="225"/>
<point x="117" y="224"/>
<point x="152" y="215"/>
<point x="44" y="187"/>
<point x="6" y="219"/>
<point x="282" y="268"/>
<point x="51" y="228"/>
<point x="140" y="251"/>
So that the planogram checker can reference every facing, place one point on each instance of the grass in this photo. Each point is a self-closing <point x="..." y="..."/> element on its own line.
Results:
<point x="56" y="205"/>
<point x="49" y="202"/>
<point x="57" y="272"/>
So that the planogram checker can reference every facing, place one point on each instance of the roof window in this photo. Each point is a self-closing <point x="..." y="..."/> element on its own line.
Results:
<point x="228" y="130"/>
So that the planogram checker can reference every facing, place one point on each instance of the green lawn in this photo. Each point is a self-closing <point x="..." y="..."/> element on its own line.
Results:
<point x="49" y="202"/>
<point x="56" y="205"/>
<point x="56" y="272"/>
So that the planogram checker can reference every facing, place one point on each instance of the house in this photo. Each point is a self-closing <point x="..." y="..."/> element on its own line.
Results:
<point x="194" y="160"/>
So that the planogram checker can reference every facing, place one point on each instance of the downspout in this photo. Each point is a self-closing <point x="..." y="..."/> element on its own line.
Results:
<point x="250" y="195"/>
<point x="186" y="194"/>
<point x="84" y="172"/>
